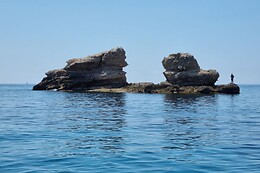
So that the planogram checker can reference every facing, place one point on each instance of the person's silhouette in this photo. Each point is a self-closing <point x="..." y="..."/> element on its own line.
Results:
<point x="232" y="78"/>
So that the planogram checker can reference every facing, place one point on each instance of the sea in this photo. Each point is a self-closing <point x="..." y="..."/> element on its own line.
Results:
<point x="67" y="132"/>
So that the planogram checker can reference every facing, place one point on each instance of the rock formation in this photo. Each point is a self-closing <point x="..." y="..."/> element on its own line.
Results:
<point x="101" y="70"/>
<point x="182" y="69"/>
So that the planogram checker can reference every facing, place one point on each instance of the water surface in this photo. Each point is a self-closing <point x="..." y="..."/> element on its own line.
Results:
<point x="47" y="131"/>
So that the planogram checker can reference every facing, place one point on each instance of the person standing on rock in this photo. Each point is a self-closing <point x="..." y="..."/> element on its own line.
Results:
<point x="232" y="78"/>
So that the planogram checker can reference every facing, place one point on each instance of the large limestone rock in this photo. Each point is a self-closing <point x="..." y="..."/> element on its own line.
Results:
<point x="101" y="70"/>
<point x="183" y="69"/>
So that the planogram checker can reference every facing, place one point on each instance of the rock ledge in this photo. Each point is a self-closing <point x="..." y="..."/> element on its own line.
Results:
<point x="166" y="88"/>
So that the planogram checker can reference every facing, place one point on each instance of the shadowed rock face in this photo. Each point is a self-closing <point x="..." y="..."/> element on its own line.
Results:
<point x="183" y="69"/>
<point x="228" y="88"/>
<point x="100" y="70"/>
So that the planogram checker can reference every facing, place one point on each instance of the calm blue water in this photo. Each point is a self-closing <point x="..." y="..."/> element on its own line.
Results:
<point x="47" y="131"/>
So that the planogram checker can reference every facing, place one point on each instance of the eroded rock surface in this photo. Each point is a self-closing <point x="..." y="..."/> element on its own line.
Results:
<point x="100" y="70"/>
<point x="183" y="69"/>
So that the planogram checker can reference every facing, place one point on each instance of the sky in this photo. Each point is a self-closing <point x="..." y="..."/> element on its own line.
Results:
<point x="40" y="35"/>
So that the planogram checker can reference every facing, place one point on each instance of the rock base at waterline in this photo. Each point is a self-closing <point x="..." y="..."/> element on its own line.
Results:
<point x="165" y="88"/>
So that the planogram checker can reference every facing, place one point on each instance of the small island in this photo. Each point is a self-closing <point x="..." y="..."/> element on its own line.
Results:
<point x="103" y="72"/>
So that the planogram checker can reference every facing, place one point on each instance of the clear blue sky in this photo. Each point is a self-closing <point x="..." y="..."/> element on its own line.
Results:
<point x="40" y="35"/>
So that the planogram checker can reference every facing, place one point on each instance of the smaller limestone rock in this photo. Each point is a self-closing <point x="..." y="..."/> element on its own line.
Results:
<point x="183" y="69"/>
<point x="180" y="62"/>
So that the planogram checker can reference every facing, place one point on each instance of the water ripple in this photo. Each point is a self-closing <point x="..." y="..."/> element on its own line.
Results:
<point x="105" y="132"/>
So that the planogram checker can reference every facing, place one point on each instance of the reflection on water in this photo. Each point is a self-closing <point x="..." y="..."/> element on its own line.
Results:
<point x="188" y="127"/>
<point x="94" y="121"/>
<point x="191" y="101"/>
<point x="101" y="132"/>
